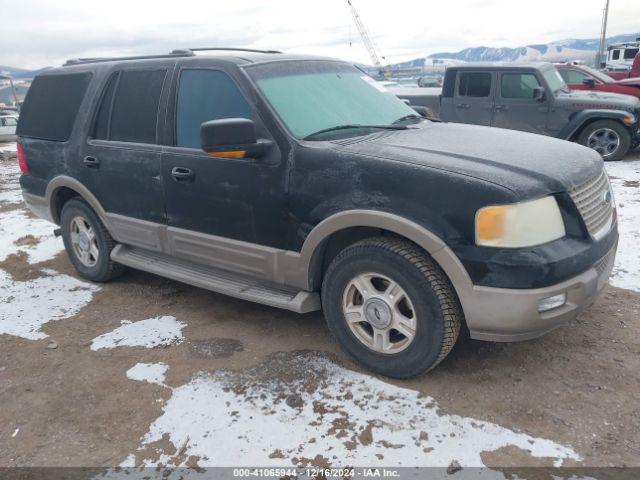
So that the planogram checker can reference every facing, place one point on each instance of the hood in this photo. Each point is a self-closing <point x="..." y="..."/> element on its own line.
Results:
<point x="529" y="165"/>
<point x="630" y="82"/>
<point x="586" y="99"/>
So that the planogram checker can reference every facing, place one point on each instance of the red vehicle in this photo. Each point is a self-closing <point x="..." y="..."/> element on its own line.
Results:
<point x="579" y="77"/>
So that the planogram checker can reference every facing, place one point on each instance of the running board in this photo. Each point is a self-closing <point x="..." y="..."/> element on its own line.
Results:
<point x="216" y="280"/>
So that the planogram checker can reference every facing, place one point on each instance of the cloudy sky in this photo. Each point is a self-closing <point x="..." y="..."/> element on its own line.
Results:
<point x="39" y="33"/>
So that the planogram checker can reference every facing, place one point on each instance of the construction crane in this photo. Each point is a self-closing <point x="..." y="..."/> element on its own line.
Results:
<point x="365" y="36"/>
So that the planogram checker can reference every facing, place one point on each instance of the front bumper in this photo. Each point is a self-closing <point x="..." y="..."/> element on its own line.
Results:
<point x="507" y="315"/>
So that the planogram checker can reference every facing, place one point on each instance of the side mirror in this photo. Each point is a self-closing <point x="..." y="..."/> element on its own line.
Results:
<point x="589" y="82"/>
<point x="539" y="94"/>
<point x="231" y="138"/>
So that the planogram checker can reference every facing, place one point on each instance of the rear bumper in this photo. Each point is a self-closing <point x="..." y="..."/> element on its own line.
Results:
<point x="507" y="315"/>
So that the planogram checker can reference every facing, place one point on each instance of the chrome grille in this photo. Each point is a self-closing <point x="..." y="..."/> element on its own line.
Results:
<point x="595" y="202"/>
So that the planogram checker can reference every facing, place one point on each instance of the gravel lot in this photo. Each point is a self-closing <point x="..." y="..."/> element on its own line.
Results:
<point x="149" y="372"/>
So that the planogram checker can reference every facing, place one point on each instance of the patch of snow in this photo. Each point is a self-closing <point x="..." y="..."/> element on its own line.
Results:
<point x="8" y="147"/>
<point x="10" y="191"/>
<point x="150" y="333"/>
<point x="16" y="226"/>
<point x="148" y="372"/>
<point x="234" y="419"/>
<point x="625" y="180"/>
<point x="26" y="306"/>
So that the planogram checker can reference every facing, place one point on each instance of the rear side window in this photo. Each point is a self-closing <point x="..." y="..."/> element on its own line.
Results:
<point x="205" y="95"/>
<point x="51" y="106"/>
<point x="134" y="114"/>
<point x="630" y="53"/>
<point x="474" y="84"/>
<point x="101" y="126"/>
<point x="615" y="55"/>
<point x="518" y="85"/>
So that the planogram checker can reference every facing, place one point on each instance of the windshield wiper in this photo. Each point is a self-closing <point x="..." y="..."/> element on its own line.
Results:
<point x="349" y="126"/>
<point x="407" y="117"/>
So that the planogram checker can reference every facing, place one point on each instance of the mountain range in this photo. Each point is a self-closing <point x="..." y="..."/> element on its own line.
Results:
<point x="562" y="50"/>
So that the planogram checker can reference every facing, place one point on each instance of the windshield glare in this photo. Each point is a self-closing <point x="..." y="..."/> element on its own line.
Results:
<point x="554" y="80"/>
<point x="315" y="95"/>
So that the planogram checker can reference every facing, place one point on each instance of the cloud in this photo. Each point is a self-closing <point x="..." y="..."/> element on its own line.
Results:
<point x="39" y="33"/>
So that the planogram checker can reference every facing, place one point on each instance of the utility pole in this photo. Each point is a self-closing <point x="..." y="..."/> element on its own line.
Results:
<point x="603" y="36"/>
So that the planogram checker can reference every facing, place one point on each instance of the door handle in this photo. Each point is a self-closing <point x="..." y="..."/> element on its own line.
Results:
<point x="502" y="108"/>
<point x="91" y="162"/>
<point x="463" y="105"/>
<point x="182" y="174"/>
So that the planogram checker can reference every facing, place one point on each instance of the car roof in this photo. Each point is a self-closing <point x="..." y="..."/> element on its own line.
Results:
<point x="501" y="66"/>
<point x="238" y="56"/>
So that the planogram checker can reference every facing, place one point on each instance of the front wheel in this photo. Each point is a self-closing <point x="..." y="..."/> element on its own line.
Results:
<point x="607" y="137"/>
<point x="391" y="307"/>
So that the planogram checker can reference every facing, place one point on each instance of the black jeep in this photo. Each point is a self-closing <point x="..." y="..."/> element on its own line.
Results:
<point x="297" y="182"/>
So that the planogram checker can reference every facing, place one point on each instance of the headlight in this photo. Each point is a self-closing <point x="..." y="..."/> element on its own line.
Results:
<point x="521" y="224"/>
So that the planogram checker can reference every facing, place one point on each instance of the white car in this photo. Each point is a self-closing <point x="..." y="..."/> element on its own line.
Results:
<point x="8" y="124"/>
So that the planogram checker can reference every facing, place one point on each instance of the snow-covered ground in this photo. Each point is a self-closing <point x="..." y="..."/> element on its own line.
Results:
<point x="150" y="333"/>
<point x="238" y="419"/>
<point x="625" y="180"/>
<point x="26" y="306"/>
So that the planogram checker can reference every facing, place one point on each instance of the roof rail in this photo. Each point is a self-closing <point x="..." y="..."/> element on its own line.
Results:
<point x="175" y="53"/>
<point x="230" y="49"/>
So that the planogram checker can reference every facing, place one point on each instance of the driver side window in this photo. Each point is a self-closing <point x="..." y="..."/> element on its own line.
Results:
<point x="518" y="85"/>
<point x="205" y="95"/>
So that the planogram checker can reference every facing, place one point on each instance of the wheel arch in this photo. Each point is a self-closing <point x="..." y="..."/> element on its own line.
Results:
<point x="353" y="225"/>
<point x="62" y="188"/>
<point x="583" y="119"/>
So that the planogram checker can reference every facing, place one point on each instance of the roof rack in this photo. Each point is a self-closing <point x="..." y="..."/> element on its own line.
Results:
<point x="230" y="49"/>
<point x="181" y="52"/>
<point x="175" y="53"/>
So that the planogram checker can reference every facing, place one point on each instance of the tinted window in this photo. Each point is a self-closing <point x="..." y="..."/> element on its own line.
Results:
<point x="51" y="106"/>
<point x="518" y="85"/>
<point x="474" y="84"/>
<point x="101" y="126"/>
<point x="615" y="55"/>
<point x="205" y="95"/>
<point x="573" y="76"/>
<point x="630" y="53"/>
<point x="135" y="107"/>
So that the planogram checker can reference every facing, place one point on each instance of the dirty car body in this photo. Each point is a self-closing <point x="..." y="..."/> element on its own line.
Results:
<point x="274" y="218"/>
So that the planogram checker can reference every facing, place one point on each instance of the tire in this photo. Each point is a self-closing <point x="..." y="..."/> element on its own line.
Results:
<point x="600" y="137"/>
<point x="94" y="241"/>
<point x="429" y="302"/>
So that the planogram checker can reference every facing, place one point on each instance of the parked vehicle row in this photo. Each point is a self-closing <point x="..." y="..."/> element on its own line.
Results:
<point x="300" y="183"/>
<point x="533" y="98"/>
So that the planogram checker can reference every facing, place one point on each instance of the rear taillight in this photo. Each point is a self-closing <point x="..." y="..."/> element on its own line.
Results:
<point x="22" y="161"/>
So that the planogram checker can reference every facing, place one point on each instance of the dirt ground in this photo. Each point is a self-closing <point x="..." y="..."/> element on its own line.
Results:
<point x="64" y="404"/>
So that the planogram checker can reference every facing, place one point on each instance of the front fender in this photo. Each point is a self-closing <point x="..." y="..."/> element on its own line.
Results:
<point x="580" y="118"/>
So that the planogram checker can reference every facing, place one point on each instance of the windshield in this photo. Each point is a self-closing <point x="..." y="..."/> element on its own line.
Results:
<point x="603" y="77"/>
<point x="310" y="96"/>
<point x="554" y="80"/>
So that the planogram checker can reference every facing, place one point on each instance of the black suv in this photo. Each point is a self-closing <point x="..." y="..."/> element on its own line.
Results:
<point x="299" y="183"/>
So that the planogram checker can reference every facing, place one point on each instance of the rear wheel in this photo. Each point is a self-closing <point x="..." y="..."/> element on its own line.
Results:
<point x="391" y="307"/>
<point x="607" y="137"/>
<point x="88" y="243"/>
